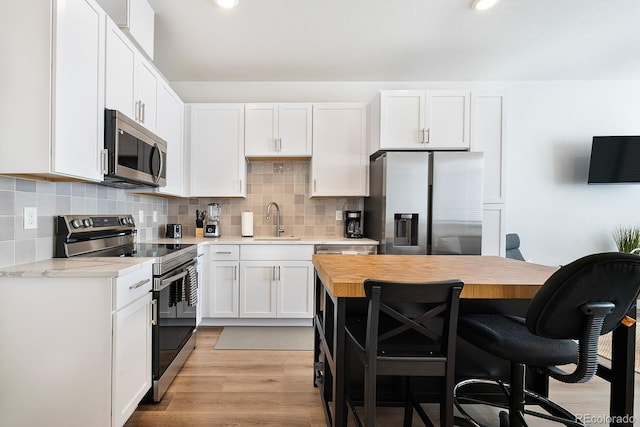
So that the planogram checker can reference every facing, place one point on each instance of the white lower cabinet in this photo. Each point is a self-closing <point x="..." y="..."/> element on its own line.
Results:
<point x="258" y="282"/>
<point x="220" y="287"/>
<point x="131" y="358"/>
<point x="85" y="364"/>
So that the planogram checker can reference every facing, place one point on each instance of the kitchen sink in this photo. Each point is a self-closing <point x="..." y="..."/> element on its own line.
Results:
<point x="275" y="239"/>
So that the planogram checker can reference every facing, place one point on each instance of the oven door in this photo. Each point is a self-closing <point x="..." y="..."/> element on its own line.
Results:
<point x="175" y="318"/>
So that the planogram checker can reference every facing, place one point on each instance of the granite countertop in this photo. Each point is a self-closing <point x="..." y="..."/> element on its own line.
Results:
<point x="119" y="266"/>
<point x="266" y="240"/>
<point x="77" y="267"/>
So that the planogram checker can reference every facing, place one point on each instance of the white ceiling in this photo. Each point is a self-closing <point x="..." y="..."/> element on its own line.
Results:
<point x="397" y="40"/>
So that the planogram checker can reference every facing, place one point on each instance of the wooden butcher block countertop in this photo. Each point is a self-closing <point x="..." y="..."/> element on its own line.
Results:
<point x="483" y="276"/>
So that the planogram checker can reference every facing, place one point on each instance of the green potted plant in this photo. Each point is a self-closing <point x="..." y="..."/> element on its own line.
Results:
<point x="627" y="238"/>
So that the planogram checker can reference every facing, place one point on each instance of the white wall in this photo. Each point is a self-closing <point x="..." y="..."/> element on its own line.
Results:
<point x="549" y="129"/>
<point x="550" y="125"/>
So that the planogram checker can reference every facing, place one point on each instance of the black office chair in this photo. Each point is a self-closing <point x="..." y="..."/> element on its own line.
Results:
<point x="409" y="330"/>
<point x="512" y="248"/>
<point x="581" y="301"/>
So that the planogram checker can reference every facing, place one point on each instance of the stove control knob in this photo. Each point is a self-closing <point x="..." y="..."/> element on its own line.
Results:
<point x="130" y="221"/>
<point x="86" y="223"/>
<point x="123" y="221"/>
<point x="76" y="223"/>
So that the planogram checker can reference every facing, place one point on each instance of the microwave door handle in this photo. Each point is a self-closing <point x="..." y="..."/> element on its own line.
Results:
<point x="156" y="178"/>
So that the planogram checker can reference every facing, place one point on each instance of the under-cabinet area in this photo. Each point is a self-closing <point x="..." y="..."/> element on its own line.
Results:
<point x="257" y="284"/>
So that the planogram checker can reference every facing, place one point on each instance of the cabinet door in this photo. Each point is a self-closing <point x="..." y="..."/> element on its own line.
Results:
<point x="170" y="128"/>
<point x="340" y="164"/>
<point x="447" y="120"/>
<point x="221" y="289"/>
<point x="273" y="130"/>
<point x="402" y="118"/>
<point x="261" y="130"/>
<point x="218" y="165"/>
<point x="295" y="289"/>
<point x="131" y="358"/>
<point x="294" y="130"/>
<point x="258" y="289"/>
<point x="78" y="93"/>
<point x="120" y="71"/>
<point x="487" y="136"/>
<point x="493" y="231"/>
<point x="141" y="24"/>
<point x="146" y="94"/>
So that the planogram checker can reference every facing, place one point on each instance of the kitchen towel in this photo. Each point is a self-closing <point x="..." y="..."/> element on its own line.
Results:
<point x="247" y="224"/>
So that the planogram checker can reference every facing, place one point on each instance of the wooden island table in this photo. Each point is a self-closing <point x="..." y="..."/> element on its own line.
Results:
<point x="340" y="278"/>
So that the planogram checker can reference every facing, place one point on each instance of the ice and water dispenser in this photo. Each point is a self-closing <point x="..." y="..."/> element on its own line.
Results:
<point x="405" y="229"/>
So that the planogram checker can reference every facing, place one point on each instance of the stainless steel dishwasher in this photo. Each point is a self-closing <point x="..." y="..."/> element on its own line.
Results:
<point x="346" y="249"/>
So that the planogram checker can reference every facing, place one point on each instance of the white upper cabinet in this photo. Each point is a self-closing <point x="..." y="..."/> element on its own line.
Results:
<point x="136" y="17"/>
<point x="170" y="127"/>
<point x="278" y="130"/>
<point x="132" y="83"/>
<point x="146" y="94"/>
<point x="487" y="136"/>
<point x="422" y="120"/>
<point x="120" y="71"/>
<point x="52" y="120"/>
<point x="218" y="165"/>
<point x="340" y="164"/>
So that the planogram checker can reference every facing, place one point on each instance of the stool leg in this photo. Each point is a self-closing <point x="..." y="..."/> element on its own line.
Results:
<point x="516" y="397"/>
<point x="369" y="396"/>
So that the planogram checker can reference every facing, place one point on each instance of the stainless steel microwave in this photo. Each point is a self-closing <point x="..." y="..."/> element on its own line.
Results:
<point x="136" y="157"/>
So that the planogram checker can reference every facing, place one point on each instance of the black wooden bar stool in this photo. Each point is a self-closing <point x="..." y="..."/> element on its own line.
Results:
<point x="409" y="331"/>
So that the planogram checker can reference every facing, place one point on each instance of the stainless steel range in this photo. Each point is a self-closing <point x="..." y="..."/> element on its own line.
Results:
<point x="175" y="283"/>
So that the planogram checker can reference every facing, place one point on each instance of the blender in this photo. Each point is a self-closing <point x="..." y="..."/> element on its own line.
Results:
<point x="212" y="227"/>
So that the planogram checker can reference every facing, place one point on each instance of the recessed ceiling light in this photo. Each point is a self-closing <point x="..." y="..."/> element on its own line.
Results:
<point x="483" y="4"/>
<point x="227" y="4"/>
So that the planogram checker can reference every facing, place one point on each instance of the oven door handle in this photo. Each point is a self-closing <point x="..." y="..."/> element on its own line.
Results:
<point x="154" y="312"/>
<point x="169" y="280"/>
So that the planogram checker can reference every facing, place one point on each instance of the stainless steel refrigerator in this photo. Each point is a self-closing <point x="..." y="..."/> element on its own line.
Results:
<point x="425" y="203"/>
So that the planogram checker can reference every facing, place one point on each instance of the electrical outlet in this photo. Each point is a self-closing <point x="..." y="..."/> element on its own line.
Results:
<point x="30" y="218"/>
<point x="338" y="215"/>
<point x="140" y="217"/>
<point x="155" y="216"/>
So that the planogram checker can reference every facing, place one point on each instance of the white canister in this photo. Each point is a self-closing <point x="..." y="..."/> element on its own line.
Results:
<point x="247" y="224"/>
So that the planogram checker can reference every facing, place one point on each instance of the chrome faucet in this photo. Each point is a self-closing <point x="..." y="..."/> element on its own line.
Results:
<point x="278" y="228"/>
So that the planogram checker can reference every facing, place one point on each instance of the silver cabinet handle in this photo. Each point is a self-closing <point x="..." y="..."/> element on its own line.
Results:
<point x="428" y="130"/>
<point x="279" y="277"/>
<point x="143" y="111"/>
<point x="104" y="156"/>
<point x="223" y="252"/>
<point x="154" y="312"/>
<point x="273" y="272"/>
<point x="138" y="284"/>
<point x="235" y="273"/>
<point x="136" y="111"/>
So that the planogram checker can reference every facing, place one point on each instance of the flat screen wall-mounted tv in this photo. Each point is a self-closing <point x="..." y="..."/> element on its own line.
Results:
<point x="614" y="160"/>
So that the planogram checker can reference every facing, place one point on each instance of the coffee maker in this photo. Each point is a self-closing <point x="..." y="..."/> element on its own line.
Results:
<point x="212" y="227"/>
<point x="352" y="224"/>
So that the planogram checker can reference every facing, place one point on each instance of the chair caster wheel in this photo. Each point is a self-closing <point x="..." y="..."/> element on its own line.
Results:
<point x="504" y="419"/>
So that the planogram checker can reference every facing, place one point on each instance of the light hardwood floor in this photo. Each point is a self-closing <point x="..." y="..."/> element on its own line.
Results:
<point x="224" y="388"/>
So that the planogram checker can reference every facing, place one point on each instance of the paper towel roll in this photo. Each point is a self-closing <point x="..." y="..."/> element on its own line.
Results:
<point x="247" y="224"/>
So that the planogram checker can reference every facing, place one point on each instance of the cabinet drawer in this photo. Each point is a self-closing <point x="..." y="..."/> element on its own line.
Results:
<point x="276" y="252"/>
<point x="132" y="286"/>
<point x="223" y="253"/>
